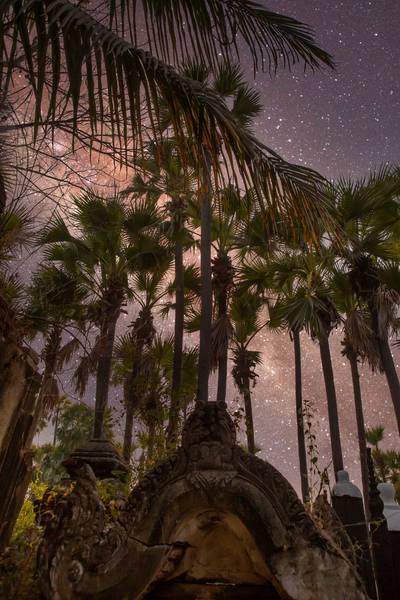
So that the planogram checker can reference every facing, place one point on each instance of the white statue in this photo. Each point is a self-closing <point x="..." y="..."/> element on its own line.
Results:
<point x="344" y="487"/>
<point x="391" y="508"/>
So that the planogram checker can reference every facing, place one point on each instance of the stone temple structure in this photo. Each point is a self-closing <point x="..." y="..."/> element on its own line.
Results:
<point x="211" y="522"/>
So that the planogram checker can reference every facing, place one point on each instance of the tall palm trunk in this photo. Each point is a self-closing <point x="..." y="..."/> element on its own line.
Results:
<point x="248" y="412"/>
<point x="142" y="337"/>
<point x="223" y="276"/>
<point x="129" y="418"/>
<point x="301" y="444"/>
<point x="3" y="195"/>
<point x="107" y="333"/>
<point x="52" y="347"/>
<point x="326" y="360"/>
<point x="391" y="375"/>
<point x="387" y="363"/>
<point x="178" y="344"/>
<point x="131" y="400"/>
<point x="56" y="418"/>
<point x="206" y="284"/>
<point x="362" y="443"/>
<point x="223" y="359"/>
<point x="151" y="440"/>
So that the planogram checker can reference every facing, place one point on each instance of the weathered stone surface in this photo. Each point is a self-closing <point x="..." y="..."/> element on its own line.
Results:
<point x="102" y="456"/>
<point x="211" y="516"/>
<point x="19" y="413"/>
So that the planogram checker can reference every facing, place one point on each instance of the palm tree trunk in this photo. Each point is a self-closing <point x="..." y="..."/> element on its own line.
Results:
<point x="206" y="284"/>
<point x="52" y="347"/>
<point x="131" y="400"/>
<point x="222" y="376"/>
<point x="57" y="415"/>
<point x="301" y="444"/>
<point x="107" y="334"/>
<point x="337" y="456"/>
<point x="362" y="443"/>
<point x="387" y="364"/>
<point x="391" y="376"/>
<point x="3" y="195"/>
<point x="151" y="441"/>
<point x="178" y="344"/>
<point x="223" y="359"/>
<point x="129" y="418"/>
<point x="248" y="411"/>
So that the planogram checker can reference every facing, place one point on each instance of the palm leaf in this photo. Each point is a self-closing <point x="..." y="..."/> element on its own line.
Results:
<point x="86" y="367"/>
<point x="49" y="393"/>
<point x="135" y="79"/>
<point x="217" y="28"/>
<point x="66" y="352"/>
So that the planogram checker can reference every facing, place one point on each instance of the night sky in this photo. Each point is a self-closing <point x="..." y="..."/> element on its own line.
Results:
<point x="341" y="123"/>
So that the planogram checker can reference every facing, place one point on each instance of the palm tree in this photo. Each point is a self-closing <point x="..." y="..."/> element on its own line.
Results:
<point x="370" y="216"/>
<point x="113" y="240"/>
<point x="359" y="346"/>
<point x="278" y="321"/>
<point x="200" y="119"/>
<point x="54" y="303"/>
<point x="301" y="283"/>
<point x="149" y="289"/>
<point x="161" y="173"/>
<point x="246" y="323"/>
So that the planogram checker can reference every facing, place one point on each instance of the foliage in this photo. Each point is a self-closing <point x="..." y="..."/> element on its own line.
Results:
<point x="18" y="579"/>
<point x="73" y="424"/>
<point x="386" y="462"/>
<point x="319" y="484"/>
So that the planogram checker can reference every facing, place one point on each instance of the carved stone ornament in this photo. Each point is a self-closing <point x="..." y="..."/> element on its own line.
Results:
<point x="211" y="522"/>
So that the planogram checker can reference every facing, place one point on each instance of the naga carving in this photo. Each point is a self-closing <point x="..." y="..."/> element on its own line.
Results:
<point x="84" y="548"/>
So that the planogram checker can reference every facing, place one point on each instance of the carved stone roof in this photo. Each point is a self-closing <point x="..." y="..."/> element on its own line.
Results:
<point x="210" y="498"/>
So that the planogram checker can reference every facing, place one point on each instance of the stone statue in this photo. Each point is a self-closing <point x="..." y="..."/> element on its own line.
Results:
<point x="391" y="508"/>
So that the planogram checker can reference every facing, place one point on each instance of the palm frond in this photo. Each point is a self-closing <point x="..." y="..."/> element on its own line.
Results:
<point x="221" y="335"/>
<point x="246" y="105"/>
<point x="360" y="338"/>
<point x="49" y="393"/>
<point x="66" y="352"/>
<point x="86" y="367"/>
<point x="215" y="29"/>
<point x="134" y="79"/>
<point x="374" y="435"/>
<point x="12" y="290"/>
<point x="15" y="231"/>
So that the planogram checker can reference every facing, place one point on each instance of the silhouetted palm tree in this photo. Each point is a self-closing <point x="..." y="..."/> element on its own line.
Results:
<point x="246" y="323"/>
<point x="112" y="241"/>
<point x="370" y="216"/>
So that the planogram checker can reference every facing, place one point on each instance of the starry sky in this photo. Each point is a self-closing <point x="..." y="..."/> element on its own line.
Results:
<point x="341" y="123"/>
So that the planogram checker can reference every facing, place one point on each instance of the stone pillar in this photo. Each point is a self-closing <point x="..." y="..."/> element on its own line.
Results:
<point x="381" y="544"/>
<point x="103" y="457"/>
<point x="391" y="511"/>
<point x="348" y="504"/>
<point x="19" y="414"/>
